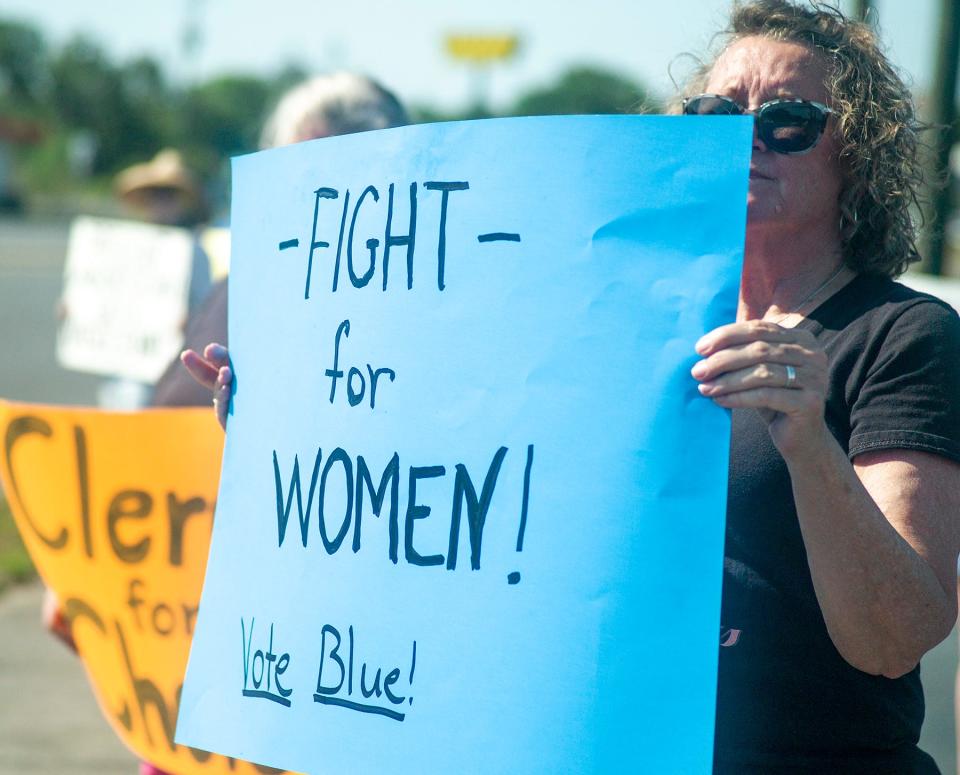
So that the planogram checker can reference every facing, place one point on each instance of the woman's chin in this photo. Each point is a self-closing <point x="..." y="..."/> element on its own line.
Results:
<point x="761" y="209"/>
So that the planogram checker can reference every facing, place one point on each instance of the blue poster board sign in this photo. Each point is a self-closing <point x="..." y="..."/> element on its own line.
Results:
<point x="472" y="505"/>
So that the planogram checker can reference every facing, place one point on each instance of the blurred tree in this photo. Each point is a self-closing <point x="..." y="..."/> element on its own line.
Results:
<point x="23" y="64"/>
<point x="426" y="114"/>
<point x="222" y="118"/>
<point x="582" y="89"/>
<point x="146" y="93"/>
<point x="90" y="94"/>
<point x="143" y="80"/>
<point x="585" y="89"/>
<point x="124" y="113"/>
<point x="286" y="78"/>
<point x="942" y="113"/>
<point x="863" y="10"/>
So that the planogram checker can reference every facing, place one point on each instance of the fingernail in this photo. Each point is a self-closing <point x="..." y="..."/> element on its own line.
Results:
<point x="218" y="351"/>
<point x="702" y="344"/>
<point x="698" y="370"/>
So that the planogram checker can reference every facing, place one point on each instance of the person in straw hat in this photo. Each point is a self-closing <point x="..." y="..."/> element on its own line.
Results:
<point x="163" y="191"/>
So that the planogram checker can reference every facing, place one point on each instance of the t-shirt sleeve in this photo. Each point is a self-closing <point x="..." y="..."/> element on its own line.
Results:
<point x="910" y="397"/>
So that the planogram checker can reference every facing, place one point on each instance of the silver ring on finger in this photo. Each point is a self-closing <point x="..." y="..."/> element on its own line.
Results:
<point x="791" y="376"/>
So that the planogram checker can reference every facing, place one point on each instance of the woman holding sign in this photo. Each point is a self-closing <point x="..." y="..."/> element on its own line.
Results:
<point x="842" y="529"/>
<point x="844" y="483"/>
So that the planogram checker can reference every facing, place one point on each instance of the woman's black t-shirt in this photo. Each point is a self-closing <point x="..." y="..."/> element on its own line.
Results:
<point x="787" y="701"/>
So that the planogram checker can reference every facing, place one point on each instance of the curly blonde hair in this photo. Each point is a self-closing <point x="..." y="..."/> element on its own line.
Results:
<point x="876" y="129"/>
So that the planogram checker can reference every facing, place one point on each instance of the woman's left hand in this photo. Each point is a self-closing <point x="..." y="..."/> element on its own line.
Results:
<point x="782" y="372"/>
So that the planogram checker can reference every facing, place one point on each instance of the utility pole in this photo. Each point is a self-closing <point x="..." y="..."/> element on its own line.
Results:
<point x="480" y="51"/>
<point x="861" y="9"/>
<point x="943" y="116"/>
<point x="191" y="38"/>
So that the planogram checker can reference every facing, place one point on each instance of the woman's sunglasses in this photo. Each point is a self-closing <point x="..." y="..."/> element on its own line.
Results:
<point x="785" y="126"/>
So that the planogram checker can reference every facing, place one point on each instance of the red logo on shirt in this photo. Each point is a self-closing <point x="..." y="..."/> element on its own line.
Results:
<point x="728" y="637"/>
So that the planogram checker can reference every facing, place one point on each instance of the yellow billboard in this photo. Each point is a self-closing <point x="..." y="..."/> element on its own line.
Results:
<point x="482" y="48"/>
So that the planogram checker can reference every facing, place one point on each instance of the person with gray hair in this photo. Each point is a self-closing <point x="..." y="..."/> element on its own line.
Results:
<point x="338" y="103"/>
<point x="323" y="106"/>
<point x="328" y="105"/>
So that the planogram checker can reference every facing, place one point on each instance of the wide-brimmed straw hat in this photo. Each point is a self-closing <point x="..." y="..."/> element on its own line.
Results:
<point x="165" y="170"/>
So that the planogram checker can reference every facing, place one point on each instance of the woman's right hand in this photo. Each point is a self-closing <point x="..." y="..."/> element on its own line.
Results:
<point x="212" y="370"/>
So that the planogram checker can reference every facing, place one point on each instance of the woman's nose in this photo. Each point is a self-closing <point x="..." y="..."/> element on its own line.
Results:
<point x="758" y="144"/>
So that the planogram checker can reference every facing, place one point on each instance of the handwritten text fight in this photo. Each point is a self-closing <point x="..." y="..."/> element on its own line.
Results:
<point x="369" y="197"/>
<point x="362" y="266"/>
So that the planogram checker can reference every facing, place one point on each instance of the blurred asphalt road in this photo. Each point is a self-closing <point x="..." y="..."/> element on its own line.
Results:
<point x="49" y="722"/>
<point x="31" y="269"/>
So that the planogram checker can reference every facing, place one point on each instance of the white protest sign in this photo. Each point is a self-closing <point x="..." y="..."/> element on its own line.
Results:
<point x="125" y="295"/>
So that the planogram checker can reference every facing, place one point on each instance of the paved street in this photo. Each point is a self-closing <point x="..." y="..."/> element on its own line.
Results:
<point x="49" y="722"/>
<point x="31" y="267"/>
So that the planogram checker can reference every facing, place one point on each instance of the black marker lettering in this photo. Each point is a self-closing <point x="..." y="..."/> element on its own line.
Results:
<point x="337" y="456"/>
<point x="360" y="282"/>
<point x="343" y="224"/>
<point x="335" y="373"/>
<point x="477" y="508"/>
<point x="332" y="631"/>
<point x="390" y="240"/>
<point x="177" y="514"/>
<point x="446" y="188"/>
<point x="127" y="505"/>
<point x="416" y="511"/>
<point x="320" y="193"/>
<point x="283" y="513"/>
<point x="391" y="477"/>
<point x="16" y="429"/>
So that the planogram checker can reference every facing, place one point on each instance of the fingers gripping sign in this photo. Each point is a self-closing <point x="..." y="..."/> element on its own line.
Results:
<point x="212" y="369"/>
<point x="781" y="372"/>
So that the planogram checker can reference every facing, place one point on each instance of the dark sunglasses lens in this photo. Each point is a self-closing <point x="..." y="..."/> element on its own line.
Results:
<point x="791" y="127"/>
<point x="707" y="105"/>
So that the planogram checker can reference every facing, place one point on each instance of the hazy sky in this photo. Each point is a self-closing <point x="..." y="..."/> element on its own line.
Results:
<point x="401" y="42"/>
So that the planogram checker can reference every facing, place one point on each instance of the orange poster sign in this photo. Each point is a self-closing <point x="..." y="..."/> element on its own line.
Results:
<point x="116" y="511"/>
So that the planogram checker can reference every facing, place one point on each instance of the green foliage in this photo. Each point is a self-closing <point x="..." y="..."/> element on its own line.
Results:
<point x="128" y="111"/>
<point x="580" y="90"/>
<point x="426" y="114"/>
<point x="90" y="93"/>
<point x="15" y="565"/>
<point x="223" y="116"/>
<point x="43" y="167"/>
<point x="585" y="90"/>
<point x="23" y="65"/>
